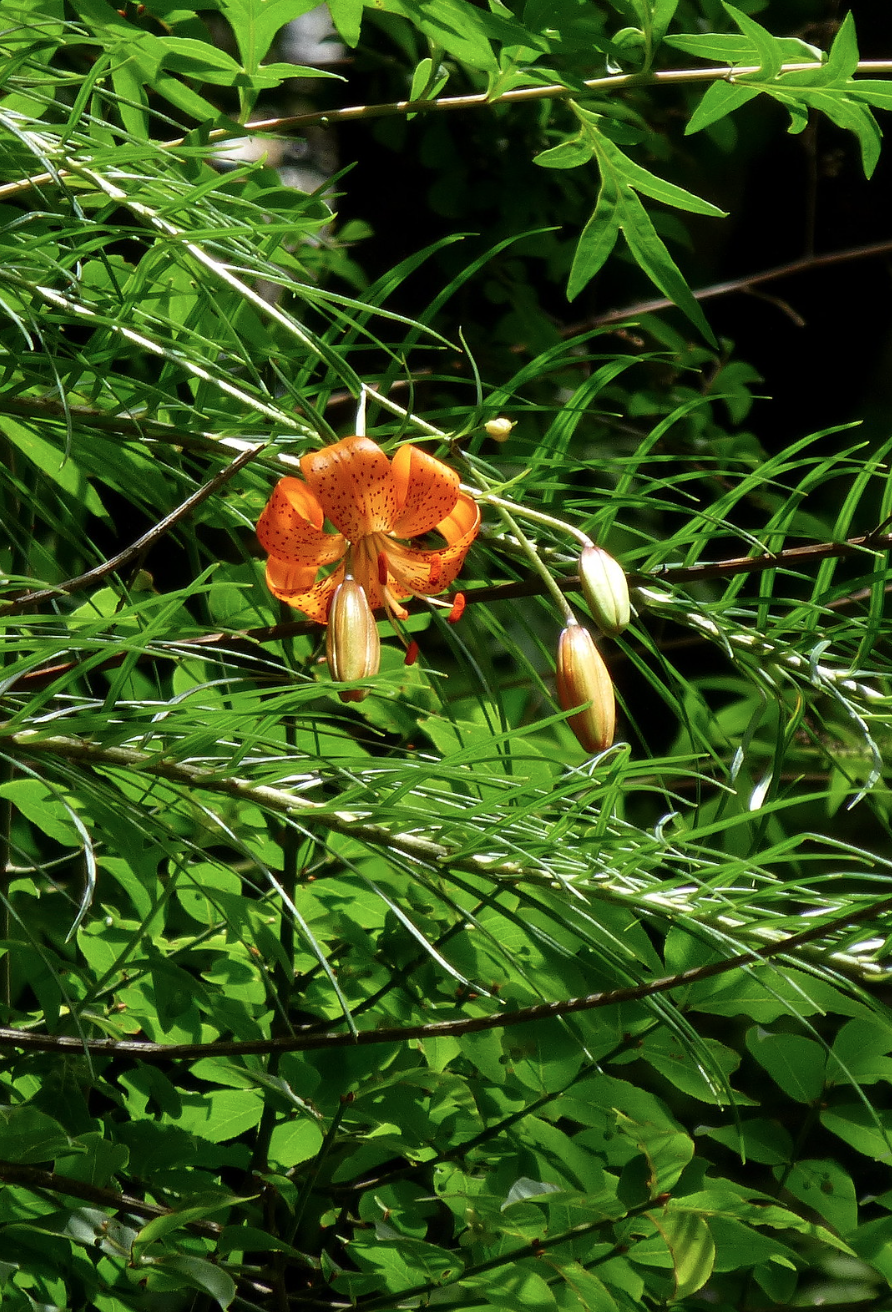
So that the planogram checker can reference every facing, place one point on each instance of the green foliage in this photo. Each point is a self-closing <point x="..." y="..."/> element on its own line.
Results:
<point x="403" y="1001"/>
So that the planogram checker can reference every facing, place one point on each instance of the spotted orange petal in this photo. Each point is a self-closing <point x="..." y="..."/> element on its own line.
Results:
<point x="366" y="567"/>
<point x="354" y="484"/>
<point x="427" y="572"/>
<point x="296" y="586"/>
<point x="426" y="491"/>
<point x="462" y="525"/>
<point x="290" y="527"/>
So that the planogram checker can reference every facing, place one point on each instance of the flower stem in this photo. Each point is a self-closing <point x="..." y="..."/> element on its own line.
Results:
<point x="537" y="563"/>
<point x="535" y="516"/>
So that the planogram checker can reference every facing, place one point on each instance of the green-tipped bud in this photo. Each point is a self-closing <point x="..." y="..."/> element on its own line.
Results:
<point x="352" y="645"/>
<point x="605" y="590"/>
<point x="582" y="680"/>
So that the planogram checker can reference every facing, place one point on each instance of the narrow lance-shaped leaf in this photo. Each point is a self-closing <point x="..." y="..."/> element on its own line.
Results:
<point x="719" y="100"/>
<point x="652" y="256"/>
<point x="619" y="207"/>
<point x="596" y="241"/>
<point x="767" y="47"/>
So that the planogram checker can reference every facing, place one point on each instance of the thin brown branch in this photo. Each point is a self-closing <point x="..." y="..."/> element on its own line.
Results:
<point x="307" y="1038"/>
<point x="522" y="95"/>
<point x="744" y="284"/>
<point x="530" y="587"/>
<point x="445" y="104"/>
<point x="530" y="1248"/>
<point x="155" y="533"/>
<point x="37" y="1179"/>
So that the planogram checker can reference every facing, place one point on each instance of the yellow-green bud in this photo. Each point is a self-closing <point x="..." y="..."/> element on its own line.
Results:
<point x="583" y="680"/>
<point x="352" y="645"/>
<point x="605" y="590"/>
<point x="499" y="429"/>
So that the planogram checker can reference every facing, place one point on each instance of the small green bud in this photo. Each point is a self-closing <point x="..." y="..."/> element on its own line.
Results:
<point x="583" y="680"/>
<point x="499" y="429"/>
<point x="605" y="590"/>
<point x="352" y="645"/>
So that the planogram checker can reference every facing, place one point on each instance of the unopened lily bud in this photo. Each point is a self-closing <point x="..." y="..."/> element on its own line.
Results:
<point x="352" y="645"/>
<point x="582" y="680"/>
<point x="499" y="429"/>
<point x="605" y="590"/>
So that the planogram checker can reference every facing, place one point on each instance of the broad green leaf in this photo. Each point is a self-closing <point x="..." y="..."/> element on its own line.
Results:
<point x="198" y="59"/>
<point x="667" y="1151"/>
<point x="347" y="18"/>
<point x="703" y="1074"/>
<point x="249" y="1239"/>
<point x="796" y="1064"/>
<point x="170" y="1273"/>
<point x="860" y="1052"/>
<point x="521" y="1288"/>
<point x="661" y="14"/>
<point x="758" y="1140"/>
<point x="739" y="1246"/>
<point x="462" y="30"/>
<point x="842" y="60"/>
<point x="97" y="1162"/>
<point x="691" y="1246"/>
<point x="44" y="808"/>
<point x="294" y="1141"/>
<point x="29" y="1135"/>
<point x="648" y="184"/>
<point x="52" y="462"/>
<point x="195" y="1209"/>
<point x="872" y="1241"/>
<point x="221" y="1114"/>
<point x="763" y="994"/>
<point x="825" y="1187"/>
<point x="596" y="240"/>
<point x="872" y="91"/>
<point x="867" y="1130"/>
<point x="569" y="154"/>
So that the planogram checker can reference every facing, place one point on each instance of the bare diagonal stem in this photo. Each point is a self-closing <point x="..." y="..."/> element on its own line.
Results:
<point x="155" y="533"/>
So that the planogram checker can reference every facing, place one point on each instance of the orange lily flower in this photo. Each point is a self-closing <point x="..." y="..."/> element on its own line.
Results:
<point x="377" y="506"/>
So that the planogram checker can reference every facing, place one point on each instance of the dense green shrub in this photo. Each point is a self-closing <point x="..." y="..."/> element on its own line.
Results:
<point x="406" y="1000"/>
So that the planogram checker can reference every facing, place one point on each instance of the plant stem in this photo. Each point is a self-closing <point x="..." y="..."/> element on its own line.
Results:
<point x="534" y="516"/>
<point x="538" y="565"/>
<point x="522" y="95"/>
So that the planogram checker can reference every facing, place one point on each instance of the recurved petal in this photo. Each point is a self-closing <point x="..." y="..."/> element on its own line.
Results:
<point x="426" y="491"/>
<point x="425" y="572"/>
<point x="462" y="524"/>
<point x="354" y="484"/>
<point x="291" y="526"/>
<point x="296" y="586"/>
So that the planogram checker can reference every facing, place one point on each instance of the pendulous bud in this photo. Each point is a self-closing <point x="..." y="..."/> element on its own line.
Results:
<point x="582" y="677"/>
<point x="352" y="645"/>
<point x="605" y="590"/>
